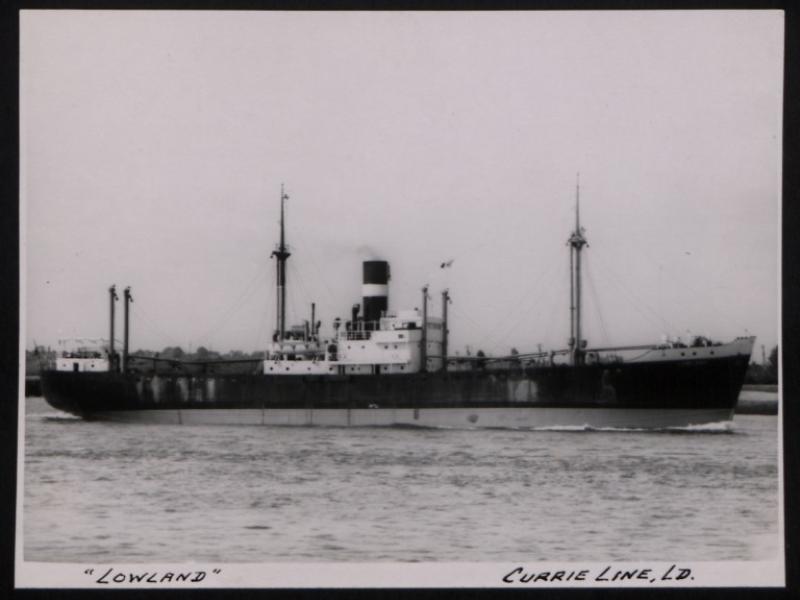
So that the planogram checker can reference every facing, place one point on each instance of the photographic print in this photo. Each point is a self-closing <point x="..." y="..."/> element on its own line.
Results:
<point x="364" y="299"/>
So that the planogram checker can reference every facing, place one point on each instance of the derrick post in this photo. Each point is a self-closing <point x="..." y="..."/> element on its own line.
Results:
<point x="423" y="354"/>
<point x="112" y="297"/>
<point x="445" y="302"/>
<point x="126" y="334"/>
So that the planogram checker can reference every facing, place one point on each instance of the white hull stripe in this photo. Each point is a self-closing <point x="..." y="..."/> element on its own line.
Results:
<point x="459" y="418"/>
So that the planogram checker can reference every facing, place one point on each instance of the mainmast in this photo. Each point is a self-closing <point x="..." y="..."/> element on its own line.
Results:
<point x="576" y="243"/>
<point x="281" y="253"/>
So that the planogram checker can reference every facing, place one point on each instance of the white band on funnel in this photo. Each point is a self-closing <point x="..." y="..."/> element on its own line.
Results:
<point x="374" y="289"/>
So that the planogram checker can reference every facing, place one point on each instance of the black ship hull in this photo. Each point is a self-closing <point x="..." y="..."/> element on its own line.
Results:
<point x="656" y="394"/>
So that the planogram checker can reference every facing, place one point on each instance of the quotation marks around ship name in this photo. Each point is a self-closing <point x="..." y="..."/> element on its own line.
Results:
<point x="115" y="576"/>
<point x="608" y="574"/>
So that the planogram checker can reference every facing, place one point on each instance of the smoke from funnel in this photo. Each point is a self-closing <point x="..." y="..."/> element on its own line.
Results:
<point x="367" y="253"/>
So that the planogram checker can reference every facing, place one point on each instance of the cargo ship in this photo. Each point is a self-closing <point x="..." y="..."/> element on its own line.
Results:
<point x="385" y="367"/>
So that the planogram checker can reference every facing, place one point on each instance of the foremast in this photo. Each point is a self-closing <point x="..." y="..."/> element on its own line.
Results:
<point x="281" y="253"/>
<point x="576" y="243"/>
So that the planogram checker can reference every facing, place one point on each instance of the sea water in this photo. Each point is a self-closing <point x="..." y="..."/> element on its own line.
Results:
<point x="97" y="491"/>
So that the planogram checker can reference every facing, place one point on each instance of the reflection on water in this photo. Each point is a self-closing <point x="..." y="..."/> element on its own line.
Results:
<point x="144" y="493"/>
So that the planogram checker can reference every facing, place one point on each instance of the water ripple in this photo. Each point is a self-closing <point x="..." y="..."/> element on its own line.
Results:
<point x="255" y="494"/>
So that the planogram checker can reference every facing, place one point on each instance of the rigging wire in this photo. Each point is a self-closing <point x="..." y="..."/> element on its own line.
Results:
<point x="261" y="337"/>
<point x="596" y="303"/>
<point x="694" y="291"/>
<point x="555" y="310"/>
<point x="289" y="306"/>
<point x="296" y="276"/>
<point x="308" y="250"/>
<point x="143" y="318"/>
<point x="656" y="322"/>
<point x="443" y="268"/>
<point x="461" y="315"/>
<point x="636" y="302"/>
<point x="525" y="304"/>
<point x="235" y="307"/>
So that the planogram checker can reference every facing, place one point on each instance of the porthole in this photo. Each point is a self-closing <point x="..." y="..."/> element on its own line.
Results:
<point x="694" y="353"/>
<point x="683" y="353"/>
<point x="712" y="352"/>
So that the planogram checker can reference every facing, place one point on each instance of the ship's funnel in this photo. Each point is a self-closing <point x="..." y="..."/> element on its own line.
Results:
<point x="375" y="291"/>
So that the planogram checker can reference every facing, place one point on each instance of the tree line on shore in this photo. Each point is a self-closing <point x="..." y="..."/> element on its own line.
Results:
<point x="764" y="373"/>
<point x="202" y="353"/>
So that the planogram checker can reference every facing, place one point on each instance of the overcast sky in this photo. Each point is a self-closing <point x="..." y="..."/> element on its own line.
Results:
<point x="154" y="145"/>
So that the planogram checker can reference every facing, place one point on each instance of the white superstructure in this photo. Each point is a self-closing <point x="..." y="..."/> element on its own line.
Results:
<point x="395" y="346"/>
<point x="82" y="355"/>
